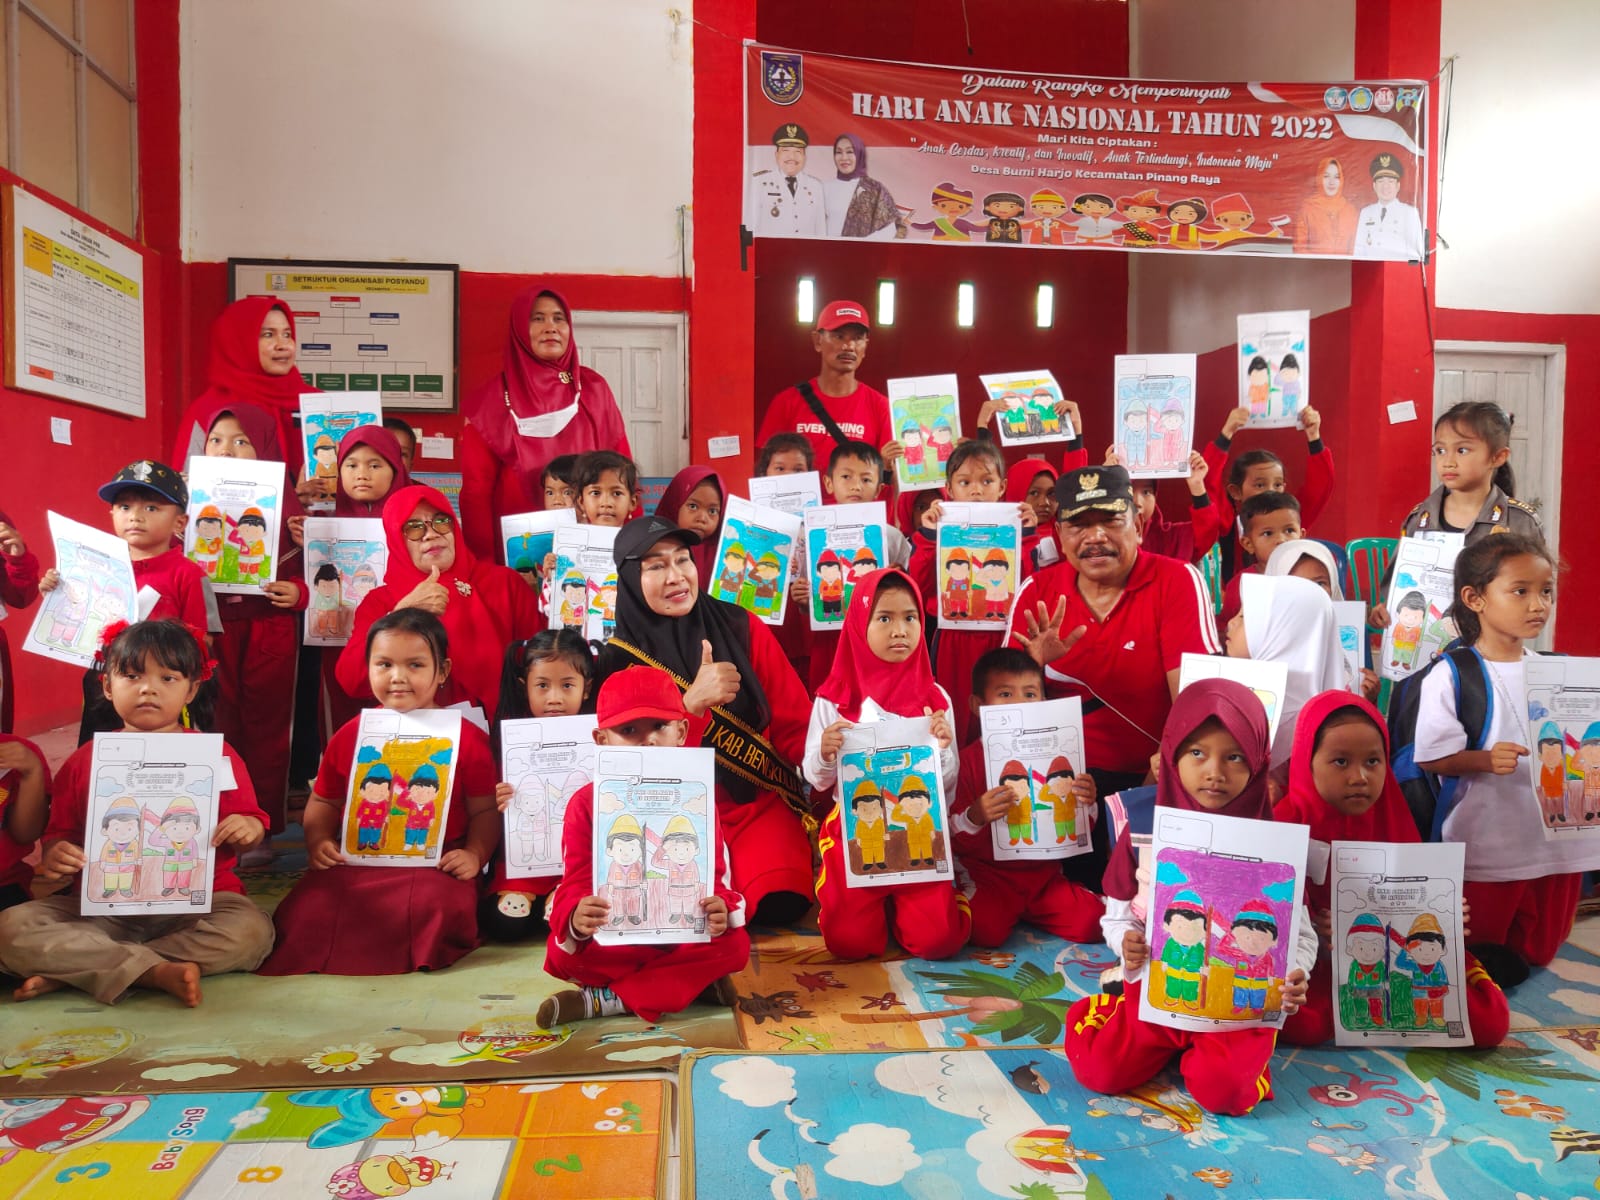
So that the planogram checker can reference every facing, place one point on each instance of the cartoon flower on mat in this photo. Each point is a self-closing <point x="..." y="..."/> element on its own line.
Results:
<point x="622" y="1118"/>
<point x="334" y="1059"/>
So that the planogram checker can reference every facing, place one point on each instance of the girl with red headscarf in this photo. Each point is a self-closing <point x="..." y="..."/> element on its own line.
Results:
<point x="259" y="648"/>
<point x="252" y="366"/>
<point x="880" y="672"/>
<point x="484" y="607"/>
<point x="19" y="587"/>
<point x="541" y="405"/>
<point x="694" y="500"/>
<point x="1214" y="758"/>
<point x="1340" y="785"/>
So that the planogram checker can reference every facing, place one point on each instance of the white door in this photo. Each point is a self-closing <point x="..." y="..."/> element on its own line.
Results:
<point x="643" y="356"/>
<point x="1527" y="381"/>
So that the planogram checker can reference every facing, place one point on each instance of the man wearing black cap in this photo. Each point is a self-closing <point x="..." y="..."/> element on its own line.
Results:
<point x="1390" y="228"/>
<point x="786" y="202"/>
<point x="1111" y="624"/>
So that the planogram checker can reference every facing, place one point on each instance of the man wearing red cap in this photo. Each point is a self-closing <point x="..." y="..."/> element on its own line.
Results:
<point x="834" y="407"/>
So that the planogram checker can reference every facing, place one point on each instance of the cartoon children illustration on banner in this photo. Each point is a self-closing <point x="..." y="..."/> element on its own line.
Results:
<point x="1398" y="957"/>
<point x="653" y="851"/>
<point x="1031" y="748"/>
<point x="754" y="556"/>
<point x="1154" y="406"/>
<point x="152" y="810"/>
<point x="892" y="801"/>
<point x="1225" y="913"/>
<point x="400" y="787"/>
<point x="344" y="559"/>
<point x="1564" y="730"/>
<point x="925" y="416"/>
<point x="1275" y="366"/>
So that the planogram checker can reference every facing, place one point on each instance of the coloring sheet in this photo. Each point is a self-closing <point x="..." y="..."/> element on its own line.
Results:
<point x="96" y="589"/>
<point x="1398" y="960"/>
<point x="400" y="781"/>
<point x="1036" y="749"/>
<point x="1029" y="416"/>
<point x="1421" y="590"/>
<point x="1351" y="616"/>
<point x="1564" y="735"/>
<point x="754" y="558"/>
<point x="545" y="759"/>
<point x="345" y="558"/>
<point x="792" y="494"/>
<point x="925" y="417"/>
<point x="1275" y="366"/>
<point x="152" y="813"/>
<point x="1268" y="680"/>
<point x="1154" y="406"/>
<point x="235" y="515"/>
<point x="978" y="550"/>
<point x="583" y="586"/>
<point x="892" y="810"/>
<point x="325" y="417"/>
<point x="653" y="853"/>
<point x="1223" y="920"/>
<point x="529" y="537"/>
<point x="842" y="543"/>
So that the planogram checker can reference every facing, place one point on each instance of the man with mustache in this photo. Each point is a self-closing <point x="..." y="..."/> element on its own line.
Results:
<point x="834" y="407"/>
<point x="1110" y="624"/>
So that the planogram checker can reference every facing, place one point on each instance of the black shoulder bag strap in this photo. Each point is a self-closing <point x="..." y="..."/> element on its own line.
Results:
<point x="809" y="395"/>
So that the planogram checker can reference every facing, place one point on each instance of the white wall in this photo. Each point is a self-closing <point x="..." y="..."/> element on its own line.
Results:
<point x="1521" y="179"/>
<point x="1183" y="303"/>
<point x="505" y="135"/>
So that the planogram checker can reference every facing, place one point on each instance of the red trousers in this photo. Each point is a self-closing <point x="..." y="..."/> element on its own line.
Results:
<point x="652" y="980"/>
<point x="768" y="850"/>
<point x="1487" y="1011"/>
<point x="256" y="660"/>
<point x="931" y="920"/>
<point x="1112" y="1050"/>
<point x="1531" y="916"/>
<point x="1005" y="893"/>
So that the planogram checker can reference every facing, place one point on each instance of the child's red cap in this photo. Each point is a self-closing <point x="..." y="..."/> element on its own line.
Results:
<point x="639" y="694"/>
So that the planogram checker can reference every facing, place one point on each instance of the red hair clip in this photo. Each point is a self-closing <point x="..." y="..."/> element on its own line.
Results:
<point x="116" y="629"/>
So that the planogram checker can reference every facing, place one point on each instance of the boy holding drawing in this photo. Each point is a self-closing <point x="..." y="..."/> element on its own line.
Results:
<point x="638" y="706"/>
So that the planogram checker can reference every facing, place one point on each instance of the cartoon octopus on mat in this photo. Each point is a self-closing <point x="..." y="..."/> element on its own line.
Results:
<point x="1359" y="1089"/>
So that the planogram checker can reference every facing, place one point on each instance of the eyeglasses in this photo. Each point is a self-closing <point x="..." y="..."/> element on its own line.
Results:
<point x="416" y="529"/>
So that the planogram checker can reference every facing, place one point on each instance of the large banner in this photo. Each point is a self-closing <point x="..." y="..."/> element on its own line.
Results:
<point x="844" y="147"/>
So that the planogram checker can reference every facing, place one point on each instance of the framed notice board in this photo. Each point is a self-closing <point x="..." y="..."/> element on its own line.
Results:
<point x="74" y="306"/>
<point x="367" y="327"/>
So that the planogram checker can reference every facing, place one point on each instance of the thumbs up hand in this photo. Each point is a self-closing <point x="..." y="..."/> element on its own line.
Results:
<point x="715" y="683"/>
<point x="429" y="595"/>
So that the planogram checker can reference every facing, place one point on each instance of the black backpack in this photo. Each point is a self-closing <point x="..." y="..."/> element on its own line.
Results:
<point x="1431" y="797"/>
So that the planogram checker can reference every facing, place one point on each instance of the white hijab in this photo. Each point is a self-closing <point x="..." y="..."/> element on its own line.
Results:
<point x="1283" y="559"/>
<point x="1290" y="620"/>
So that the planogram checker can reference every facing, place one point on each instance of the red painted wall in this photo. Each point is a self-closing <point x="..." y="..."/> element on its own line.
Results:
<point x="1091" y="300"/>
<point x="65" y="478"/>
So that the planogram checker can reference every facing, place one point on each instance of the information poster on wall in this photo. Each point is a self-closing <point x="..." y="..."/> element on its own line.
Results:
<point x="74" y="308"/>
<point x="385" y="328"/>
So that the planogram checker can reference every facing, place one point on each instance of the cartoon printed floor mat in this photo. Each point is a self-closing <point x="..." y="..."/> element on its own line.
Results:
<point x="1014" y="1123"/>
<point x="796" y="996"/>
<point x="472" y="1022"/>
<point x="592" y="1140"/>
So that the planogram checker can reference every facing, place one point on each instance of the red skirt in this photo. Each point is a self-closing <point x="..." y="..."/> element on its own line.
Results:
<point x="349" y="920"/>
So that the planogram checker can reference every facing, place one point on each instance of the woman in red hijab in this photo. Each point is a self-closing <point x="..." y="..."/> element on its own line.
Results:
<point x="484" y="607"/>
<point x="543" y="404"/>
<point x="258" y="651"/>
<point x="1340" y="785"/>
<point x="252" y="366"/>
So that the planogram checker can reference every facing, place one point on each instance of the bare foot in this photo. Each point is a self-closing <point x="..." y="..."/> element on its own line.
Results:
<point x="181" y="979"/>
<point x="35" y="985"/>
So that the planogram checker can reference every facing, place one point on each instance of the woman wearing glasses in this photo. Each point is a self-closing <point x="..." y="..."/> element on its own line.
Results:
<point x="484" y="607"/>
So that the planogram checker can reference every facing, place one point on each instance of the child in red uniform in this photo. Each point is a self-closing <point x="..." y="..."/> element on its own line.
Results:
<point x="977" y="473"/>
<point x="19" y="587"/>
<point x="549" y="675"/>
<point x="347" y="919"/>
<point x="1261" y="470"/>
<point x="152" y="671"/>
<point x="24" y="808"/>
<point x="147" y="501"/>
<point x="1266" y="521"/>
<point x="1007" y="892"/>
<point x="1214" y="756"/>
<point x="1341" y="786"/>
<point x="880" y="672"/>
<point x="693" y="501"/>
<point x="638" y="706"/>
<point x="608" y="488"/>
